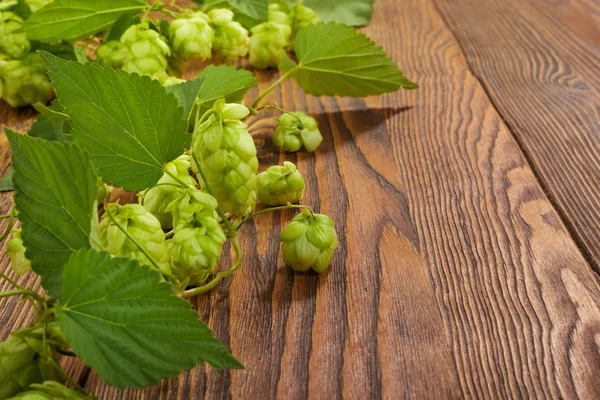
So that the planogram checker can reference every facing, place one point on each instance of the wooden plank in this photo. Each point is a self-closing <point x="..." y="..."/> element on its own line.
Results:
<point x="455" y="277"/>
<point x="539" y="62"/>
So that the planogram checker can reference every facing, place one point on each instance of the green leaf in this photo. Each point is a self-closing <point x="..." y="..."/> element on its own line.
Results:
<point x="54" y="116"/>
<point x="55" y="195"/>
<point x="6" y="183"/>
<point x="186" y="93"/>
<point x="55" y="130"/>
<point x="80" y="54"/>
<point x="129" y="326"/>
<point x="335" y="60"/>
<point x="257" y="9"/>
<point x="224" y="82"/>
<point x="62" y="50"/>
<point x="75" y="19"/>
<point x="130" y="124"/>
<point x="349" y="12"/>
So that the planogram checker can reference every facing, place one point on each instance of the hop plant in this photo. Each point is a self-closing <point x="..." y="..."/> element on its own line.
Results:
<point x="16" y="252"/>
<point x="22" y="363"/>
<point x="167" y="81"/>
<point x="24" y="82"/>
<point x="278" y="16"/>
<point x="35" y="5"/>
<point x="227" y="156"/>
<point x="190" y="207"/>
<point x="295" y="130"/>
<point x="270" y="39"/>
<point x="104" y="191"/>
<point x="50" y="390"/>
<point x="112" y="54"/>
<point x="168" y="189"/>
<point x="142" y="226"/>
<point x="309" y="241"/>
<point x="279" y="185"/>
<point x="231" y="38"/>
<point x="192" y="36"/>
<point x="13" y="43"/>
<point x="147" y="51"/>
<point x="301" y="17"/>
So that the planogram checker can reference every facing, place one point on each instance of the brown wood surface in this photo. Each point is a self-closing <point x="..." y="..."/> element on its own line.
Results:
<point x="456" y="276"/>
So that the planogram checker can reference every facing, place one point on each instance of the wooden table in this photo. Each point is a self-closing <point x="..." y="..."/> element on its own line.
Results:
<point x="469" y="221"/>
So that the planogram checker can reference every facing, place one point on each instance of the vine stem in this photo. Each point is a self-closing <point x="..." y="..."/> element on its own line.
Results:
<point x="24" y="292"/>
<point x="11" y="218"/>
<point x="223" y="274"/>
<point x="266" y="210"/>
<point x="182" y="183"/>
<point x="270" y="88"/>
<point x="9" y="280"/>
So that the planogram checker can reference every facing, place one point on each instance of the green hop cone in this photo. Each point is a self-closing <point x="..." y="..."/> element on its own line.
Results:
<point x="269" y="40"/>
<point x="112" y="54"/>
<point x="36" y="5"/>
<point x="227" y="155"/>
<point x="13" y="43"/>
<point x="279" y="185"/>
<point x="192" y="36"/>
<point x="147" y="51"/>
<point x="309" y="241"/>
<point x="191" y="205"/>
<point x="16" y="252"/>
<point x="168" y="189"/>
<point x="104" y="191"/>
<point x="167" y="81"/>
<point x="295" y="130"/>
<point x="301" y="17"/>
<point x="24" y="82"/>
<point x="143" y="227"/>
<point x="231" y="38"/>
<point x="50" y="390"/>
<point x="21" y="362"/>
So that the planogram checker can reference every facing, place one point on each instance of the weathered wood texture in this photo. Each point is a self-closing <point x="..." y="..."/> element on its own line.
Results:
<point x="455" y="276"/>
<point x="540" y="64"/>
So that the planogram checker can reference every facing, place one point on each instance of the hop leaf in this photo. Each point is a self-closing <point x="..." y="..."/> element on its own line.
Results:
<point x="231" y="38"/>
<point x="280" y="185"/>
<point x="295" y="130"/>
<point x="192" y="37"/>
<point x="16" y="252"/>
<point x="50" y="390"/>
<point x="142" y="226"/>
<point x="24" y="82"/>
<point x="227" y="155"/>
<point x="148" y="51"/>
<point x="309" y="241"/>
<point x="13" y="43"/>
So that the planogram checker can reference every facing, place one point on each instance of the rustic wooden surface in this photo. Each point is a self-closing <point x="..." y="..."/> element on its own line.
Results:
<point x="468" y="216"/>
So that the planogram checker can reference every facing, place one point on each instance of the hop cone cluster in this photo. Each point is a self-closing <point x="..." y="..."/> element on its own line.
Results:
<point x="50" y="390"/>
<point x="13" y="43"/>
<point x="168" y="189"/>
<point x="227" y="156"/>
<point x="24" y="82"/>
<point x="197" y="243"/>
<point x="279" y="185"/>
<point x="147" y="51"/>
<point x="192" y="36"/>
<point x="16" y="252"/>
<point x="295" y="130"/>
<point x="270" y="39"/>
<point x="142" y="226"/>
<point x="309" y="241"/>
<point x="301" y="17"/>
<point x="21" y="362"/>
<point x="231" y="38"/>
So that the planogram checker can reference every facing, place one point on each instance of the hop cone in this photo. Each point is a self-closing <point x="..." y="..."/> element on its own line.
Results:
<point x="35" y="5"/>
<point x="157" y="199"/>
<point x="167" y="81"/>
<point x="142" y="226"/>
<point x="16" y="252"/>
<point x="309" y="241"/>
<point x="112" y="54"/>
<point x="50" y="390"/>
<point x="296" y="130"/>
<point x="21" y="363"/>
<point x="280" y="185"/>
<point x="147" y="51"/>
<point x="104" y="191"/>
<point x="24" y="82"/>
<point x="190" y="207"/>
<point x="301" y="17"/>
<point x="192" y="37"/>
<point x="231" y="38"/>
<point x="13" y="43"/>
<point x="227" y="155"/>
<point x="268" y="44"/>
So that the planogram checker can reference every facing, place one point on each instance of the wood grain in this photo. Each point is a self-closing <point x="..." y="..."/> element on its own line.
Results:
<point x="540" y="64"/>
<point x="455" y="276"/>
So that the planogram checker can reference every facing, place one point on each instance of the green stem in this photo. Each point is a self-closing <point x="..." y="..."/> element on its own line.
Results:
<point x="11" y="219"/>
<point x="23" y="292"/>
<point x="5" y="216"/>
<point x="67" y="377"/>
<point x="66" y="352"/>
<point x="112" y="218"/>
<point x="182" y="183"/>
<point x="281" y="110"/>
<point x="266" y="210"/>
<point x="270" y="88"/>
<point x="7" y="278"/>
<point x="219" y="277"/>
